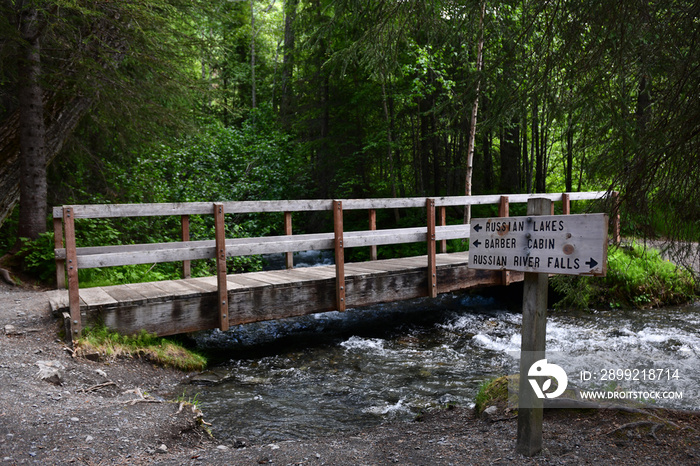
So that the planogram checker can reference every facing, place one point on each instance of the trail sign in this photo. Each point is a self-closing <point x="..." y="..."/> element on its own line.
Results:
<point x="557" y="244"/>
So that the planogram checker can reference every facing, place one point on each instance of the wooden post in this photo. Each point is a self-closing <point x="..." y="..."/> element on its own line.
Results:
<point x="565" y="204"/>
<point x="373" y="226"/>
<point x="58" y="244"/>
<point x="504" y="207"/>
<point x="534" y="329"/>
<point x="339" y="255"/>
<point x="185" y="224"/>
<point x="443" y="221"/>
<point x="615" y="217"/>
<point x="72" y="264"/>
<point x="504" y="211"/>
<point x="432" y="269"/>
<point x="222" y="288"/>
<point x="289" y="256"/>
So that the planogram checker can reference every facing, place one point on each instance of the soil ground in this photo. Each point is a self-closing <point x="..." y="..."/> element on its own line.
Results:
<point x="126" y="412"/>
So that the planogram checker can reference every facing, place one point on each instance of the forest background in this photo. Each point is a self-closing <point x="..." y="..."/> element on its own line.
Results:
<point x="175" y="101"/>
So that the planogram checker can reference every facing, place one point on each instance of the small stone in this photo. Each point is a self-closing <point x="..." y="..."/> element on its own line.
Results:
<point x="162" y="449"/>
<point x="88" y="439"/>
<point x="490" y="412"/>
<point x="240" y="442"/>
<point x="75" y="419"/>
<point x="11" y="330"/>
<point x="222" y="447"/>
<point x="101" y="373"/>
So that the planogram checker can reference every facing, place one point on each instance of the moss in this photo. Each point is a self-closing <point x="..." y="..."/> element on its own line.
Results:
<point x="161" y="351"/>
<point x="495" y="392"/>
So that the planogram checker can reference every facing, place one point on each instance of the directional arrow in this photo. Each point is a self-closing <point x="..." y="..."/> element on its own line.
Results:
<point x="477" y="227"/>
<point x="477" y="243"/>
<point x="592" y="263"/>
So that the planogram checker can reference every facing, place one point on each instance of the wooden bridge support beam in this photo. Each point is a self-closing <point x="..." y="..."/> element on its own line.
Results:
<point x="222" y="287"/>
<point x="72" y="265"/>
<point x="58" y="244"/>
<point x="373" y="226"/>
<point x="339" y="255"/>
<point x="185" y="229"/>
<point x="442" y="217"/>
<point x="432" y="265"/>
<point x="289" y="256"/>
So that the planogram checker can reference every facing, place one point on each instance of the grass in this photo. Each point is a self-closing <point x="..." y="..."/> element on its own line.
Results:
<point x="491" y="392"/>
<point x="160" y="351"/>
<point x="638" y="277"/>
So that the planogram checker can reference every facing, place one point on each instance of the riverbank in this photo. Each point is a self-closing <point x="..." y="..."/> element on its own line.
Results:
<point x="126" y="412"/>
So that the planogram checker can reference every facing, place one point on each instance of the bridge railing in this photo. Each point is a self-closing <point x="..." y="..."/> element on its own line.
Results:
<point x="69" y="258"/>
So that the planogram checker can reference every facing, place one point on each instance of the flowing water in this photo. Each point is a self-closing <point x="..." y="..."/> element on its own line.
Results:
<point x="336" y="372"/>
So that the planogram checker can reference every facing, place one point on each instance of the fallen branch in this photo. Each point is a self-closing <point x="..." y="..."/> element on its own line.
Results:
<point x="633" y="425"/>
<point x="96" y="387"/>
<point x="141" y="398"/>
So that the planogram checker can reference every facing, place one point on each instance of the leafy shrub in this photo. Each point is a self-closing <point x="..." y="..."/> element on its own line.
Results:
<point x="38" y="256"/>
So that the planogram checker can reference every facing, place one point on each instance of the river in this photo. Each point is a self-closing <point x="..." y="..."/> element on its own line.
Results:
<point x="341" y="372"/>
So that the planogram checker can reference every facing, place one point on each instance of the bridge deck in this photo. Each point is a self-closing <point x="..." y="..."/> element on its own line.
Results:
<point x="179" y="306"/>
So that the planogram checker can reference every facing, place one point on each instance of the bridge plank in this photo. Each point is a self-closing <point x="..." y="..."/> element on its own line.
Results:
<point x="355" y="269"/>
<point x="270" y="278"/>
<point x="179" y="288"/>
<point x="323" y="272"/>
<point x="453" y="258"/>
<point x="245" y="282"/>
<point x="149" y="290"/>
<point x="58" y="299"/>
<point x="291" y="275"/>
<point x="122" y="293"/>
<point x="206" y="284"/>
<point x="96" y="297"/>
<point x="386" y="265"/>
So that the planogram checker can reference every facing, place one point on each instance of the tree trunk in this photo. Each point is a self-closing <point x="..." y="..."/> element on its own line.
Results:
<point x="252" y="53"/>
<point x="510" y="158"/>
<point x="32" y="132"/>
<point x="288" y="62"/>
<point x="389" y="150"/>
<point x="475" y="109"/>
<point x="570" y="154"/>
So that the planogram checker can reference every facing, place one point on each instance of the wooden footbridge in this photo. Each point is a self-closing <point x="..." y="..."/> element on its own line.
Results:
<point x="220" y="301"/>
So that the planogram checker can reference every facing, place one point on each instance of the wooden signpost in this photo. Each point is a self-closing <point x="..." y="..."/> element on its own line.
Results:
<point x="539" y="245"/>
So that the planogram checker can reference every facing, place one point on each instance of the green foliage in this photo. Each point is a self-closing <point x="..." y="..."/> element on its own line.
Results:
<point x="161" y="351"/>
<point x="37" y="256"/>
<point x="637" y="277"/>
<point x="253" y="162"/>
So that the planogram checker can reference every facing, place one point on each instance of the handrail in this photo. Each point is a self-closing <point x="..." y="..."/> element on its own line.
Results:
<point x="309" y="205"/>
<point x="221" y="248"/>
